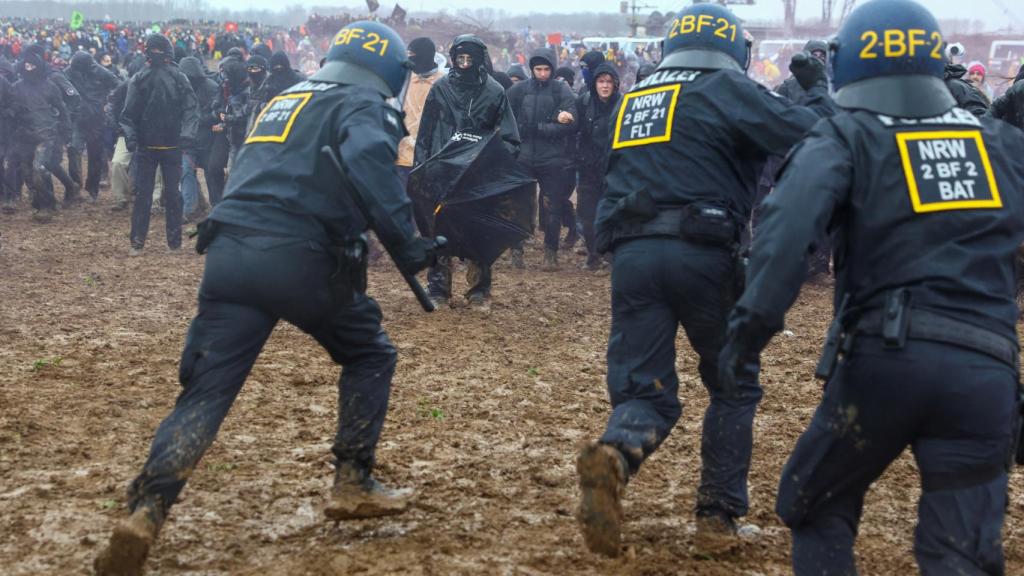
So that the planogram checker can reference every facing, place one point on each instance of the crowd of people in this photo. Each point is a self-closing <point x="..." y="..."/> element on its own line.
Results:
<point x="884" y="162"/>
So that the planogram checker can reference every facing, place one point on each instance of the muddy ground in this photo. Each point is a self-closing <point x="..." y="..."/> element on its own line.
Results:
<point x="486" y="413"/>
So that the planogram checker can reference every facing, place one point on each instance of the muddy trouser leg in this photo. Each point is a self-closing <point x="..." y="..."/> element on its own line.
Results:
<point x="642" y="381"/>
<point x="6" y="194"/>
<point x="120" y="182"/>
<point x="701" y="278"/>
<point x="588" y="194"/>
<point x="53" y="165"/>
<point x="170" y="168"/>
<point x="145" y="176"/>
<point x="74" y="148"/>
<point x="215" y="166"/>
<point x="354" y="338"/>
<point x="439" y="278"/>
<point x="222" y="344"/>
<point x="479" y="279"/>
<point x="41" y="180"/>
<point x="955" y="408"/>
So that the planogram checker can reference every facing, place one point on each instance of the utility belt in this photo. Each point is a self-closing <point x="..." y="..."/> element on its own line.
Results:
<point x="700" y="223"/>
<point x="897" y="321"/>
<point x="351" y="257"/>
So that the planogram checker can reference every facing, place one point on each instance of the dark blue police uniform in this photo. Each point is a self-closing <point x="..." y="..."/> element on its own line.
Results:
<point x="923" y="198"/>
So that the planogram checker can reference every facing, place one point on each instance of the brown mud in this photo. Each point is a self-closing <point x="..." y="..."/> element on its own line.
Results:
<point x="487" y="412"/>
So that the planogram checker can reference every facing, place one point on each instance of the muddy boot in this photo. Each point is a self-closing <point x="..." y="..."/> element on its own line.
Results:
<point x="479" y="302"/>
<point x="602" y="477"/>
<point x="357" y="494"/>
<point x="518" y="262"/>
<point x="119" y="206"/>
<point x="42" y="216"/>
<point x="550" y="260"/>
<point x="716" y="532"/>
<point x="129" y="544"/>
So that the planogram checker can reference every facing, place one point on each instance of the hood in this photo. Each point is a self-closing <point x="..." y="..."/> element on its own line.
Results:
<point x="261" y="50"/>
<point x="192" y="68"/>
<point x="1020" y="75"/>
<point x="813" y="45"/>
<point x="604" y="68"/>
<point x="82" y="61"/>
<point x="543" y="56"/>
<point x="279" y="61"/>
<point x="955" y="71"/>
<point x="473" y="45"/>
<point x="234" y="73"/>
<point x="517" y="71"/>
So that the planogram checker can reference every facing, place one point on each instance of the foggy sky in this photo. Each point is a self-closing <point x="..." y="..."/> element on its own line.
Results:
<point x="986" y="10"/>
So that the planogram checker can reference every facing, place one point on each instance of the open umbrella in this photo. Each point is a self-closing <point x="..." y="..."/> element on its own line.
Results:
<point x="474" y="193"/>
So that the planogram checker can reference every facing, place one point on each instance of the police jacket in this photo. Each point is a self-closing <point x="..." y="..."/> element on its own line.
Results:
<point x="594" y="140"/>
<point x="966" y="95"/>
<point x="160" y="109"/>
<point x="932" y="205"/>
<point x="281" y="183"/>
<point x="38" y="111"/>
<point x="1010" y="106"/>
<point x="690" y="136"/>
<point x="536" y="106"/>
<point x="454" y="105"/>
<point x="94" y="84"/>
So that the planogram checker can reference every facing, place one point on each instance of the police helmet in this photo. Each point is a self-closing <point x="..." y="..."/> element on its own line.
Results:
<point x="706" y="36"/>
<point x="887" y="58"/>
<point x="368" y="54"/>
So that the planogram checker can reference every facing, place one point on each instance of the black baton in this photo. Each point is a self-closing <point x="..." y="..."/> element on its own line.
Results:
<point x="414" y="284"/>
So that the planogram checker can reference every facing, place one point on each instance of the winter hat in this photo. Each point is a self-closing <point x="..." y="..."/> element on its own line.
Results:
<point x="566" y="74"/>
<point x="977" y="67"/>
<point x="261" y="50"/>
<point x="423" y="50"/>
<point x="517" y="71"/>
<point x="256" y="61"/>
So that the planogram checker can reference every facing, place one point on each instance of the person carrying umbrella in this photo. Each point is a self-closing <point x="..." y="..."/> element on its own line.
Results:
<point x="467" y="99"/>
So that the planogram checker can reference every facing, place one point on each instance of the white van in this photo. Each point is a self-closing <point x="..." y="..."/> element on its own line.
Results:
<point x="1005" y="56"/>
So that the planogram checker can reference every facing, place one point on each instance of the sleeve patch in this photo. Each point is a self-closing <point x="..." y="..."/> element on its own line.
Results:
<point x="274" y="123"/>
<point x="948" y="170"/>
<point x="645" y="117"/>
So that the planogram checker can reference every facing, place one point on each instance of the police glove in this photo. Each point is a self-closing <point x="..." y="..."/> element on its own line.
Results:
<point x="808" y="71"/>
<point x="418" y="253"/>
<point x="743" y="343"/>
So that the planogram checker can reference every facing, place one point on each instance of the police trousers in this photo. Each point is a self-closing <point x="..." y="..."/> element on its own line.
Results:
<point x="954" y="407"/>
<point x="659" y="284"/>
<point x="249" y="283"/>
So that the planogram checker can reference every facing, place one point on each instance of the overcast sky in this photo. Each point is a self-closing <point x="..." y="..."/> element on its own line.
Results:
<point x="986" y="10"/>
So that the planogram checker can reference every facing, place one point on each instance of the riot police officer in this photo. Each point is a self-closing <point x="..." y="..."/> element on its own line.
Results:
<point x="924" y="200"/>
<point x="285" y="243"/>
<point x="687" y="146"/>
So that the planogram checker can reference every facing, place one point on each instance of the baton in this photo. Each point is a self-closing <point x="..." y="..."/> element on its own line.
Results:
<point x="414" y="284"/>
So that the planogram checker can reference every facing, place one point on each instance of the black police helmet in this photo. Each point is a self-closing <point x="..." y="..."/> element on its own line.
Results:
<point x="707" y="36"/>
<point x="887" y="58"/>
<point x="368" y="54"/>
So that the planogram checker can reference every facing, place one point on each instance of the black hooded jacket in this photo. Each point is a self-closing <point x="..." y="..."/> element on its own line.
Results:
<point x="595" y="121"/>
<point x="160" y="109"/>
<point x="1010" y="106"/>
<point x="6" y="106"/>
<point x="38" y="107"/>
<point x="536" y="106"/>
<point x="280" y="78"/>
<point x="966" y="95"/>
<point x="463" y="100"/>
<point x="94" y="84"/>
<point x="233" y="100"/>
<point x="206" y="91"/>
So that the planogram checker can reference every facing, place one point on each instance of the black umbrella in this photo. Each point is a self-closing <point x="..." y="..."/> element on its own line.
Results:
<point x="475" y="194"/>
